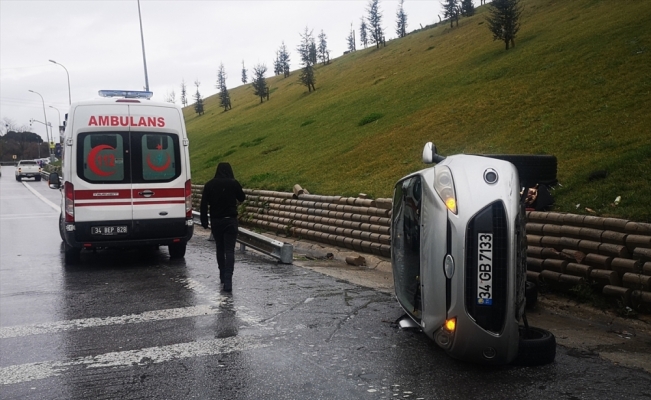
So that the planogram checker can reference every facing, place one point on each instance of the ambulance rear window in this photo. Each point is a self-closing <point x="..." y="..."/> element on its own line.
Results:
<point x="102" y="157"/>
<point x="159" y="161"/>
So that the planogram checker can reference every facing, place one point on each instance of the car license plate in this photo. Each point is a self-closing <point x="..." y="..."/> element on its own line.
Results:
<point x="109" y="230"/>
<point x="485" y="269"/>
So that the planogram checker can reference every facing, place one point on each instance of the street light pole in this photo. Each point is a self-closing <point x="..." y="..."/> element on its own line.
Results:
<point x="69" y="97"/>
<point x="44" y="116"/>
<point x="142" y="39"/>
<point x="58" y="121"/>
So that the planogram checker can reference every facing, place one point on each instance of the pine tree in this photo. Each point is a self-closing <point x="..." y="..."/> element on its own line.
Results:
<point x="375" y="22"/>
<point x="283" y="60"/>
<point x="184" y="94"/>
<point x="351" y="39"/>
<point x="363" y="31"/>
<point x="224" y="97"/>
<point x="401" y="22"/>
<point x="322" y="51"/>
<point x="244" y="77"/>
<point x="307" y="76"/>
<point x="450" y="10"/>
<point x="198" y="105"/>
<point x="467" y="8"/>
<point x="259" y="83"/>
<point x="504" y="20"/>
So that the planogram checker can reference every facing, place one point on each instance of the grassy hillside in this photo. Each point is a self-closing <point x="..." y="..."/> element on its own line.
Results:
<point x="577" y="85"/>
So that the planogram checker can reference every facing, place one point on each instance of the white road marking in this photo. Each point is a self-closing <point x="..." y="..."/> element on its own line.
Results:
<point x="75" y="324"/>
<point x="40" y="196"/>
<point x="152" y="355"/>
<point x="27" y="216"/>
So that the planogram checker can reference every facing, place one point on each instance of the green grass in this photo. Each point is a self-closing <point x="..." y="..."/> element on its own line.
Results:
<point x="577" y="85"/>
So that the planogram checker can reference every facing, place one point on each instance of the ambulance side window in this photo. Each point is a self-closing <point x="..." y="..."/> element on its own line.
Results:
<point x="158" y="156"/>
<point x="101" y="157"/>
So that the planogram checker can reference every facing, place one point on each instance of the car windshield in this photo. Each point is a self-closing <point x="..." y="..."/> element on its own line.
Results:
<point x="28" y="162"/>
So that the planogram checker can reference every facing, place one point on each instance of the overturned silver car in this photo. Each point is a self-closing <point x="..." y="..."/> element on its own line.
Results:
<point x="458" y="252"/>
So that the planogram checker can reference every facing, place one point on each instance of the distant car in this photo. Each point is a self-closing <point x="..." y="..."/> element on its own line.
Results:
<point x="458" y="253"/>
<point x="28" y="169"/>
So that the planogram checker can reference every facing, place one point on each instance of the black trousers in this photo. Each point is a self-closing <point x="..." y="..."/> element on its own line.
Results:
<point x="224" y="230"/>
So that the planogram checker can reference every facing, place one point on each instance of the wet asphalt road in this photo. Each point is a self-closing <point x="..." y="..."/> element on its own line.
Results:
<point x="132" y="324"/>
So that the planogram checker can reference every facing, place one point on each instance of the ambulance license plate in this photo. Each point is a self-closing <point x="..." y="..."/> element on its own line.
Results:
<point x="485" y="269"/>
<point x="108" y="230"/>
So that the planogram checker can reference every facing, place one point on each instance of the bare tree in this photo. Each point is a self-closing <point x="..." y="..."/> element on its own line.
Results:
<point x="259" y="83"/>
<point x="171" y="97"/>
<point x="401" y="21"/>
<point x="504" y="20"/>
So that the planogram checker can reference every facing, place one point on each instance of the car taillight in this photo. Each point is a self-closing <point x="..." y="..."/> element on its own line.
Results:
<point x="69" y="190"/>
<point x="188" y="199"/>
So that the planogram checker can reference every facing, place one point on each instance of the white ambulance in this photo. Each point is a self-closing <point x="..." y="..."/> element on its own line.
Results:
<point x="125" y="175"/>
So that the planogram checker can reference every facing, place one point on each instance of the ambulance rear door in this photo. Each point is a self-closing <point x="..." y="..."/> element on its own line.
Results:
<point x="102" y="176"/>
<point x="158" y="171"/>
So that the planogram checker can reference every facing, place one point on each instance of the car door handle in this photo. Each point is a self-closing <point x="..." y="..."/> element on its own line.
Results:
<point x="146" y="193"/>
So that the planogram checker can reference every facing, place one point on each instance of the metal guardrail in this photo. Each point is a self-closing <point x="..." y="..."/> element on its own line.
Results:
<point x="284" y="252"/>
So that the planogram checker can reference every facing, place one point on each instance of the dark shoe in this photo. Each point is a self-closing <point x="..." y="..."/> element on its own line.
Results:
<point x="228" y="287"/>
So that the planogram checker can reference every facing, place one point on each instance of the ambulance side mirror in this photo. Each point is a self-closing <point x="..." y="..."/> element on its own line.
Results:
<point x="53" y="181"/>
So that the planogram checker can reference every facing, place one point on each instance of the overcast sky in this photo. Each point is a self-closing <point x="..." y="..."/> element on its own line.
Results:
<point x="99" y="44"/>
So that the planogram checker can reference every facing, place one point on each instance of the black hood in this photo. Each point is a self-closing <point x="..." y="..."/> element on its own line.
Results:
<point x="224" y="171"/>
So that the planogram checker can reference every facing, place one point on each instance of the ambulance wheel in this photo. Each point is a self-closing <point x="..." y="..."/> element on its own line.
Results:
<point x="71" y="254"/>
<point x="177" y="250"/>
<point x="530" y="294"/>
<point x="537" y="347"/>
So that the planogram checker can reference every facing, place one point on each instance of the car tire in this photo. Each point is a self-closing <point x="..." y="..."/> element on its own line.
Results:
<point x="71" y="254"/>
<point x="38" y="178"/>
<point x="537" y="346"/>
<point x="532" y="169"/>
<point x="18" y="178"/>
<point x="530" y="294"/>
<point x="177" y="250"/>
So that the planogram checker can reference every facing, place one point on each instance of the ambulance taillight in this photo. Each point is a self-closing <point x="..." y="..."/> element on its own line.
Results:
<point x="69" y="190"/>
<point x="188" y="199"/>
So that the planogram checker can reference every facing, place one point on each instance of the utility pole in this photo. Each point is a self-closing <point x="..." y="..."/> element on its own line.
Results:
<point x="142" y="39"/>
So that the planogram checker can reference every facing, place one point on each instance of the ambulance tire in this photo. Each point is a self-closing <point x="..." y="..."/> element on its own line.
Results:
<point x="61" y="228"/>
<point x="537" y="347"/>
<point x="71" y="253"/>
<point x="177" y="250"/>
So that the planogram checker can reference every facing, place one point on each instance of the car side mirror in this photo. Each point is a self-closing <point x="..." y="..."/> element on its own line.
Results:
<point x="53" y="181"/>
<point x="429" y="154"/>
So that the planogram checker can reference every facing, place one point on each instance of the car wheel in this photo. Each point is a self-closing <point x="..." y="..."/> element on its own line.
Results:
<point x="18" y="178"/>
<point x="531" y="294"/>
<point x="537" y="346"/>
<point x="71" y="254"/>
<point x="532" y="169"/>
<point x="38" y="178"/>
<point x="177" y="250"/>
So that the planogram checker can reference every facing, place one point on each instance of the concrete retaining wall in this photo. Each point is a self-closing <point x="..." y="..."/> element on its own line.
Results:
<point x="564" y="250"/>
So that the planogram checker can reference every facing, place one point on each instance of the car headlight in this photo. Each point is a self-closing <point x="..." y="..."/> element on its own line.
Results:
<point x="444" y="186"/>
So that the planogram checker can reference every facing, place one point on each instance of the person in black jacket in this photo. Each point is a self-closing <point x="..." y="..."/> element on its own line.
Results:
<point x="220" y="197"/>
